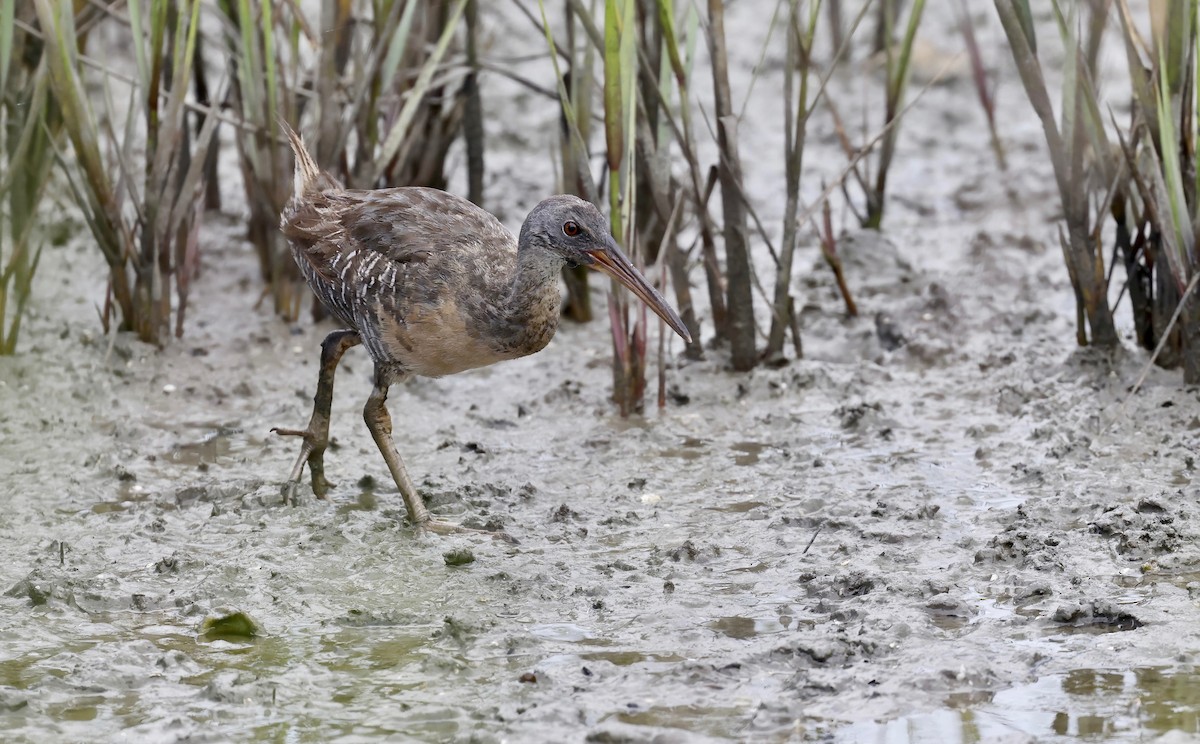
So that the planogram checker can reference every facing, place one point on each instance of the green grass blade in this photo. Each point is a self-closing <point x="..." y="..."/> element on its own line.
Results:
<point x="1178" y="41"/>
<point x="612" y="98"/>
<point x="1071" y="76"/>
<point x="7" y="21"/>
<point x="1173" y="176"/>
<point x="629" y="67"/>
<point x="692" y="23"/>
<point x="22" y="287"/>
<point x="167" y="157"/>
<point x="1195" y="94"/>
<point x="900" y="81"/>
<point x="139" y="40"/>
<point x="667" y="83"/>
<point x="666" y="20"/>
<point x="1143" y="88"/>
<point x="249" y="65"/>
<point x="31" y="130"/>
<point x="1025" y="18"/>
<point x="271" y="79"/>
<point x="73" y="103"/>
<point x="396" y="47"/>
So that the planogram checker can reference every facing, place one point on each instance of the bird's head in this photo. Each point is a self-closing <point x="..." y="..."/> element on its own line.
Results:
<point x="575" y="231"/>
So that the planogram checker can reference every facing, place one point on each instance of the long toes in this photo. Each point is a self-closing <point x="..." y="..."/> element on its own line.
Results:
<point x="321" y="487"/>
<point x="305" y="433"/>
<point x="290" y="492"/>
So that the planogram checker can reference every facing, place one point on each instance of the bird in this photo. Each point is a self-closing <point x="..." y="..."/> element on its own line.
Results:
<point x="431" y="285"/>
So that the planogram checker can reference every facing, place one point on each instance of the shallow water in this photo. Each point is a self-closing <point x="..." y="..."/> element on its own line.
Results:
<point x="1087" y="704"/>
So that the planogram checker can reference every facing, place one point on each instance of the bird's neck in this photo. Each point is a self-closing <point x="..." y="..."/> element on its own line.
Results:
<point x="531" y="308"/>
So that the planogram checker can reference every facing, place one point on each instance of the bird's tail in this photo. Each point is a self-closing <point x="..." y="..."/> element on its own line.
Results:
<point x="308" y="175"/>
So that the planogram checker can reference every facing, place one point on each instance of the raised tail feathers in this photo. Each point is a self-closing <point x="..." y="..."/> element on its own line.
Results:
<point x="307" y="176"/>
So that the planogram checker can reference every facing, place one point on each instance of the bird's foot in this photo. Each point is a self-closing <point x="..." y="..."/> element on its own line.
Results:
<point x="440" y="527"/>
<point x="290" y="491"/>
<point x="312" y="453"/>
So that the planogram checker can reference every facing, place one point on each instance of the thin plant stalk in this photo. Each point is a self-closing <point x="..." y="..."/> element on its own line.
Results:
<point x="398" y="134"/>
<point x="28" y="121"/>
<point x="620" y="111"/>
<point x="740" y="296"/>
<point x="796" y="110"/>
<point x="897" y="69"/>
<point x="983" y="89"/>
<point x="574" y="138"/>
<point x="262" y="95"/>
<point x="833" y="260"/>
<point x="1081" y="253"/>
<point x="473" y="111"/>
<point x="681" y="66"/>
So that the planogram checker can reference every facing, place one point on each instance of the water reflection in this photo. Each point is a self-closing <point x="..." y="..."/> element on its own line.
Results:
<point x="1094" y="704"/>
<point x="747" y="453"/>
<point x="207" y="451"/>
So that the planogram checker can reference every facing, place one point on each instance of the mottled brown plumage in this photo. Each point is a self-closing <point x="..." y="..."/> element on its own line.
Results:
<point x="431" y="282"/>
<point x="432" y="285"/>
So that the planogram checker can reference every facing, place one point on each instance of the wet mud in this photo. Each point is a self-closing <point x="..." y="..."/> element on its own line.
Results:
<point x="943" y="524"/>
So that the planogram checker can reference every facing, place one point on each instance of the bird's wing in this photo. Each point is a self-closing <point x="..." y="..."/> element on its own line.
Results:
<point x="400" y="247"/>
<point x="404" y="225"/>
<point x="412" y="224"/>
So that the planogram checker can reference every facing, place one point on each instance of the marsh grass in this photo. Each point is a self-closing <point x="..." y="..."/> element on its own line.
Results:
<point x="897" y="70"/>
<point x="383" y="89"/>
<point x="671" y="101"/>
<point x="739" y="288"/>
<point x="1157" y="210"/>
<point x="136" y="173"/>
<point x="640" y="68"/>
<point x="1079" y="152"/>
<point x="1147" y="180"/>
<point x="800" y="30"/>
<point x="662" y="92"/>
<point x="28" y="119"/>
<point x="985" y="89"/>
<point x="263" y="92"/>
<point x="380" y="101"/>
<point x="870" y="174"/>
<point x="575" y="148"/>
<point x="628" y="318"/>
<point x="663" y="55"/>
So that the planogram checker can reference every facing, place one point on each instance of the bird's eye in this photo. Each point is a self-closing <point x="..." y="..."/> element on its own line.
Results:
<point x="570" y="229"/>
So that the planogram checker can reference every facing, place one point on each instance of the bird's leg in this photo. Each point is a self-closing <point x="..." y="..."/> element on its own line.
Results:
<point x="316" y="436"/>
<point x="379" y="422"/>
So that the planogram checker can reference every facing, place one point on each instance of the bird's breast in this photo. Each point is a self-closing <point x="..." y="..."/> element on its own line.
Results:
<point x="446" y="338"/>
<point x="433" y="341"/>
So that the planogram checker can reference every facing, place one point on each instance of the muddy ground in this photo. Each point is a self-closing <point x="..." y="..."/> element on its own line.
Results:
<point x="941" y="525"/>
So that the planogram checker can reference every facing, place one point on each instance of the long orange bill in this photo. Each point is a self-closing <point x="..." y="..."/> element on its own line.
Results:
<point x="613" y="262"/>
